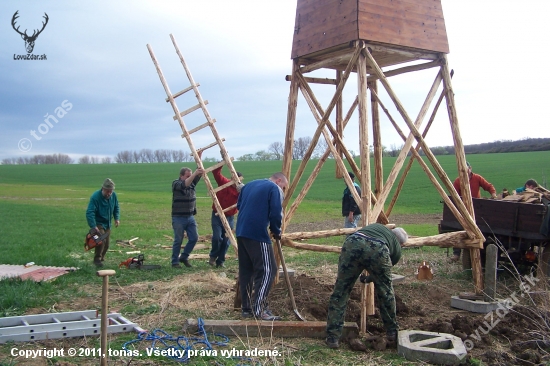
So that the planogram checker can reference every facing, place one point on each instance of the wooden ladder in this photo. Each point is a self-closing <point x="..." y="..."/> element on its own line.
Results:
<point x="187" y="135"/>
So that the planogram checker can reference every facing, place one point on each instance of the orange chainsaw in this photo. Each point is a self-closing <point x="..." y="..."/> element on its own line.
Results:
<point x="94" y="238"/>
<point x="137" y="263"/>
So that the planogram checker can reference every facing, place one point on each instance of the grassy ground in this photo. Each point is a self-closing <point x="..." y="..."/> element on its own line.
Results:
<point x="43" y="221"/>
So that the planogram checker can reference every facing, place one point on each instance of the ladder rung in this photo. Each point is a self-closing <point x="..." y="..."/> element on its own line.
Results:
<point x="214" y="167"/>
<point x="193" y="130"/>
<point x="228" y="184"/>
<point x="187" y="111"/>
<point x="228" y="208"/>
<point x="181" y="92"/>
<point x="209" y="146"/>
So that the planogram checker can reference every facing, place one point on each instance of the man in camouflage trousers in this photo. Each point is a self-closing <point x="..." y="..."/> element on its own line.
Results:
<point x="376" y="249"/>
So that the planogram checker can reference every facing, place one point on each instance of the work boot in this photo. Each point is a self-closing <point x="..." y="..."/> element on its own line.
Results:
<point x="267" y="315"/>
<point x="98" y="263"/>
<point x="212" y="261"/>
<point x="391" y="336"/>
<point x="176" y="265"/>
<point x="220" y="265"/>
<point x="186" y="263"/>
<point x="247" y="314"/>
<point x="332" y="342"/>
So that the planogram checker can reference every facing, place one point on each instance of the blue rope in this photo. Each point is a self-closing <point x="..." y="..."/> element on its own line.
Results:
<point x="163" y="341"/>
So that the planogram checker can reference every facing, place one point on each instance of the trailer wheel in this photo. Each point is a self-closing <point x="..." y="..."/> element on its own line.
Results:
<point x="466" y="260"/>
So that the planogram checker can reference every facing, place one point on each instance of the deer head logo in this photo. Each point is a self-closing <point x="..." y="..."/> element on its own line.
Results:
<point x="29" y="40"/>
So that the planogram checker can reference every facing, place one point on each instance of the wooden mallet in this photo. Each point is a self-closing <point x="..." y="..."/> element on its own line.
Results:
<point x="105" y="273"/>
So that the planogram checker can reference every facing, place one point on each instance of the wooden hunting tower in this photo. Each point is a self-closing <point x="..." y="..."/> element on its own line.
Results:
<point x="326" y="26"/>
<point x="365" y="37"/>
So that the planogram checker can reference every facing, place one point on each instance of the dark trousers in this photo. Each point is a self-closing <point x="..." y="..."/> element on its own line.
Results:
<point x="359" y="254"/>
<point x="101" y="250"/>
<point x="257" y="270"/>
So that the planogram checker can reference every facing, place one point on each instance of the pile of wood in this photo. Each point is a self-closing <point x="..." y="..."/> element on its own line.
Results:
<point x="529" y="195"/>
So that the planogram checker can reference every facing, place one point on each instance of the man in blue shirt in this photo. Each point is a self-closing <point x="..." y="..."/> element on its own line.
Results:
<point x="260" y="206"/>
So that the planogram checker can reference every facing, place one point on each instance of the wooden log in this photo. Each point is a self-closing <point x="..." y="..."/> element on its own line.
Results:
<point x="312" y="247"/>
<point x="456" y="239"/>
<point x="406" y="69"/>
<point x="471" y="226"/>
<point x="316" y="170"/>
<point x="316" y="80"/>
<point x="320" y="128"/>
<point x="339" y="126"/>
<point x="319" y="234"/>
<point x="377" y="142"/>
<point x="408" y="141"/>
<point x="463" y="171"/>
<point x="411" y="159"/>
<point x="290" y="122"/>
<point x="365" y="203"/>
<point x="424" y="166"/>
<point x="266" y="329"/>
<point x="315" y="106"/>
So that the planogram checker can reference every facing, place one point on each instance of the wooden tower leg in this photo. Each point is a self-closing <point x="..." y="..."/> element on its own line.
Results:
<point x="339" y="125"/>
<point x="291" y="121"/>
<point x="377" y="141"/>
<point x="367" y="297"/>
<point x="462" y="169"/>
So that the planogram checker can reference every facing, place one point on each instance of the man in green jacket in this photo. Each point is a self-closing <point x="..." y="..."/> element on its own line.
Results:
<point x="374" y="248"/>
<point x="102" y="207"/>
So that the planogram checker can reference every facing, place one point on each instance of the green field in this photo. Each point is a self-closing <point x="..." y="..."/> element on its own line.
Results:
<point x="43" y="205"/>
<point x="43" y="215"/>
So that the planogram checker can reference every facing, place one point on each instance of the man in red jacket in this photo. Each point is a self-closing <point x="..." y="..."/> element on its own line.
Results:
<point x="227" y="198"/>
<point x="476" y="182"/>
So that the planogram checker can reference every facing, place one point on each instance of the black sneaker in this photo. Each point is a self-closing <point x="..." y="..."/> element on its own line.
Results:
<point x="267" y="315"/>
<point x="212" y="261"/>
<point x="391" y="336"/>
<point x="247" y="314"/>
<point x="332" y="342"/>
<point x="220" y="265"/>
<point x="176" y="266"/>
<point x="98" y="264"/>
<point x="186" y="263"/>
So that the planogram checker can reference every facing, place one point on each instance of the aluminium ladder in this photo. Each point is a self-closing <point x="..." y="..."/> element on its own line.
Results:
<point x="187" y="135"/>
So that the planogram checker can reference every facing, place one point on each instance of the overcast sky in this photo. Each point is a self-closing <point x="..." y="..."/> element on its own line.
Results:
<point x="99" y="77"/>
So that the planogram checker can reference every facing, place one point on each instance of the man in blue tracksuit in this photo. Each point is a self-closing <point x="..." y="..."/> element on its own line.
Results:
<point x="260" y="206"/>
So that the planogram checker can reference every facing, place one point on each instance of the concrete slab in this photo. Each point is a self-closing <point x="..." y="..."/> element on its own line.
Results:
<point x="431" y="347"/>
<point x="285" y="329"/>
<point x="291" y="273"/>
<point x="397" y="278"/>
<point x="33" y="272"/>
<point x="474" y="306"/>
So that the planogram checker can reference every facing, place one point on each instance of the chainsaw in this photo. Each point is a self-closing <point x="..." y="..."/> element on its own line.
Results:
<point x="137" y="263"/>
<point x="94" y="238"/>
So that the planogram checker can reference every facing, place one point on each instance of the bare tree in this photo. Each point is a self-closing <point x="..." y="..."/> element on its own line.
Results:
<point x="106" y="160"/>
<point x="84" y="160"/>
<point x="321" y="147"/>
<point x="137" y="156"/>
<point x="124" y="157"/>
<point x="300" y="147"/>
<point x="147" y="156"/>
<point x="277" y="149"/>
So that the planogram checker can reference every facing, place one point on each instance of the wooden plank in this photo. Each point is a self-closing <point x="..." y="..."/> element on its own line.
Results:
<point x="404" y="8"/>
<point x="284" y="329"/>
<point x="409" y="33"/>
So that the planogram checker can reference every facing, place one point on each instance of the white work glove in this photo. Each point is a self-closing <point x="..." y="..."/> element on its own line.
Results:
<point x="239" y="186"/>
